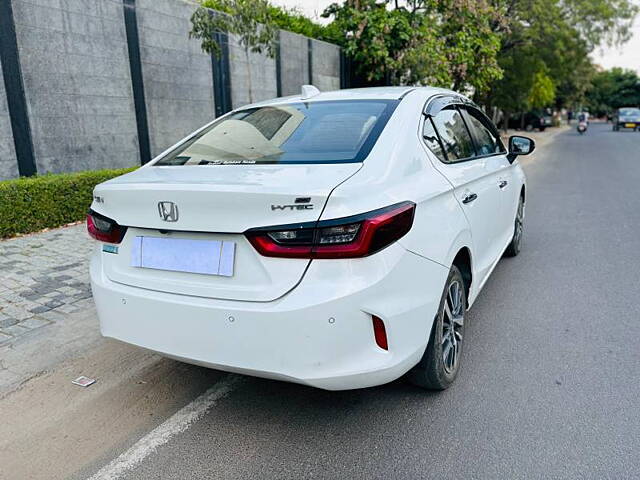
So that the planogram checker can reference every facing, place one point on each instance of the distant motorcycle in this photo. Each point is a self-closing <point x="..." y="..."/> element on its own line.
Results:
<point x="582" y="127"/>
<point x="583" y="122"/>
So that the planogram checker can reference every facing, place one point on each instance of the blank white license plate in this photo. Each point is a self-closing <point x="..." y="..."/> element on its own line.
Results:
<point x="209" y="257"/>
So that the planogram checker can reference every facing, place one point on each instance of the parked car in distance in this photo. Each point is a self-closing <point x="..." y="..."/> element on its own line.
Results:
<point x="332" y="239"/>
<point x="628" y="117"/>
<point x="530" y="121"/>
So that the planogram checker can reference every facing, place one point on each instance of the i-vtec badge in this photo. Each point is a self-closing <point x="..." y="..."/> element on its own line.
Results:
<point x="292" y="207"/>
<point x="300" y="203"/>
<point x="168" y="211"/>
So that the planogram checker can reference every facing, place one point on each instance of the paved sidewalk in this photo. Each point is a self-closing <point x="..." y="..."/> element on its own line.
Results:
<point x="43" y="277"/>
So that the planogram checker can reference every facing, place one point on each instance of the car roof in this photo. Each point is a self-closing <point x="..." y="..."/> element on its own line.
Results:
<point x="369" y="93"/>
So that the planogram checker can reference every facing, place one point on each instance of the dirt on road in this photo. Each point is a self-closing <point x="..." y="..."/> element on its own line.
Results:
<point x="50" y="428"/>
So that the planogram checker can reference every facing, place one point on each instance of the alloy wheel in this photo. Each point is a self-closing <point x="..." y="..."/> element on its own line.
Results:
<point x="519" y="224"/>
<point x="452" y="323"/>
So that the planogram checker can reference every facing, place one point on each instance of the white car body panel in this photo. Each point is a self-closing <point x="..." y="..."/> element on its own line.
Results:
<point x="301" y="320"/>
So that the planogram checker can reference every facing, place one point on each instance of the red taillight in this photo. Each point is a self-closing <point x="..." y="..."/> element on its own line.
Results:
<point x="349" y="237"/>
<point x="379" y="332"/>
<point x="104" y="229"/>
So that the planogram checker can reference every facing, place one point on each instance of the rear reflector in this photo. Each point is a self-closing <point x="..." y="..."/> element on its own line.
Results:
<point x="104" y="229"/>
<point x="379" y="332"/>
<point x="348" y="237"/>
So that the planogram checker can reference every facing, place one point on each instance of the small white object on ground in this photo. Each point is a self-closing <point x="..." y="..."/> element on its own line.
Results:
<point x="83" y="381"/>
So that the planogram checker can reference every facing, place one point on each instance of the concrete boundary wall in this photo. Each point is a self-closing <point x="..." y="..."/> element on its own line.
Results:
<point x="8" y="160"/>
<point x="74" y="64"/>
<point x="74" y="61"/>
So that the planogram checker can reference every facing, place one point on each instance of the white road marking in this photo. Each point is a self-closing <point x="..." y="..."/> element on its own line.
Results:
<point x="177" y="423"/>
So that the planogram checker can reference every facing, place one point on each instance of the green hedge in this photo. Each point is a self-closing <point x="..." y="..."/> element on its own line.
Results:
<point x="30" y="204"/>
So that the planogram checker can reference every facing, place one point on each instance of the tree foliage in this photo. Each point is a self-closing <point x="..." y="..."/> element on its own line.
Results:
<point x="549" y="41"/>
<point x="290" y="19"/>
<point x="251" y="20"/>
<point x="437" y="42"/>
<point x="612" y="89"/>
<point x="542" y="92"/>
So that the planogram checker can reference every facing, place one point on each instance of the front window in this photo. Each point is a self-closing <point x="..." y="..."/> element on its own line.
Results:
<point x="630" y="112"/>
<point x="487" y="142"/>
<point x="314" y="132"/>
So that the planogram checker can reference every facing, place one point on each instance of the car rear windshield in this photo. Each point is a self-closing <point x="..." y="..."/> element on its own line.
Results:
<point x="314" y="132"/>
<point x="630" y="112"/>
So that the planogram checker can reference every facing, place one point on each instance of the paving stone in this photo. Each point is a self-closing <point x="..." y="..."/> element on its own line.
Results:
<point x="14" y="330"/>
<point x="29" y="294"/>
<point x="40" y="309"/>
<point x="52" y="316"/>
<point x="53" y="304"/>
<point x="34" y="322"/>
<point x="34" y="268"/>
<point x="16" y="312"/>
<point x="68" y="308"/>
<point x="7" y="321"/>
<point x="54" y="294"/>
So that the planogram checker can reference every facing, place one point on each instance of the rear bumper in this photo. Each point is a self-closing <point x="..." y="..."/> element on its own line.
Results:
<point x="319" y="334"/>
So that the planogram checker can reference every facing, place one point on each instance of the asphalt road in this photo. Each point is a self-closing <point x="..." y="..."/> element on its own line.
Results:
<point x="550" y="381"/>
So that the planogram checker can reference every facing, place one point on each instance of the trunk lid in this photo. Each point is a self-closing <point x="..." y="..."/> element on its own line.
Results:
<point x="215" y="203"/>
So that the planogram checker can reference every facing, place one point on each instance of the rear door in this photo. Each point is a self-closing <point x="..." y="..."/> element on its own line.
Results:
<point x="474" y="179"/>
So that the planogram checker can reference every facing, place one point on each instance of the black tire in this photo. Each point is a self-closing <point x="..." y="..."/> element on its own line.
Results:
<point x="518" y="227"/>
<point x="440" y="363"/>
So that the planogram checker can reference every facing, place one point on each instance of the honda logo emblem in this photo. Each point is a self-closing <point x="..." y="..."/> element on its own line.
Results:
<point x="168" y="211"/>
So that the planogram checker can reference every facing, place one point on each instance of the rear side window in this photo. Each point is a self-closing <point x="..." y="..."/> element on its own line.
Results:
<point x="314" y="132"/>
<point x="431" y="139"/>
<point x="454" y="135"/>
<point x="487" y="143"/>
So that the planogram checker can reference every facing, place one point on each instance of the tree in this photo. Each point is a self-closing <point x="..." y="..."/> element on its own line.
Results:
<point x="612" y="89"/>
<point x="543" y="90"/>
<point x="553" y="37"/>
<point x="251" y="20"/>
<point x="447" y="43"/>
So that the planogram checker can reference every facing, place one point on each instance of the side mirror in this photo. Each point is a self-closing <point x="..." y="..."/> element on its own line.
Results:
<point x="520" y="146"/>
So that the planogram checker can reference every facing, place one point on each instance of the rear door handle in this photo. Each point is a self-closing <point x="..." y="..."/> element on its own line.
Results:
<point x="502" y="183"/>
<point x="469" y="197"/>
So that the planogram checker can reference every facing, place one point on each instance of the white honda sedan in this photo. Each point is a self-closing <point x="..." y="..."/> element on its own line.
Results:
<point x="332" y="239"/>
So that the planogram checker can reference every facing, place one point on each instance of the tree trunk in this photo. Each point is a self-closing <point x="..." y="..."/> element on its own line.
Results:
<point x="246" y="53"/>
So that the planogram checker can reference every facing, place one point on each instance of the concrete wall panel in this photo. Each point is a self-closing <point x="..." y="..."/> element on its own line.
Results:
<point x="253" y="82"/>
<point x="77" y="84"/>
<point x="177" y="74"/>
<point x="325" y="61"/>
<point x="8" y="162"/>
<point x="294" y="63"/>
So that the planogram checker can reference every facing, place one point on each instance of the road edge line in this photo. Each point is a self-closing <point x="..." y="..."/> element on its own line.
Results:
<point x="177" y="423"/>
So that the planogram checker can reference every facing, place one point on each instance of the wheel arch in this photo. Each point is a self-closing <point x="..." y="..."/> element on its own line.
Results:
<point x="462" y="260"/>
